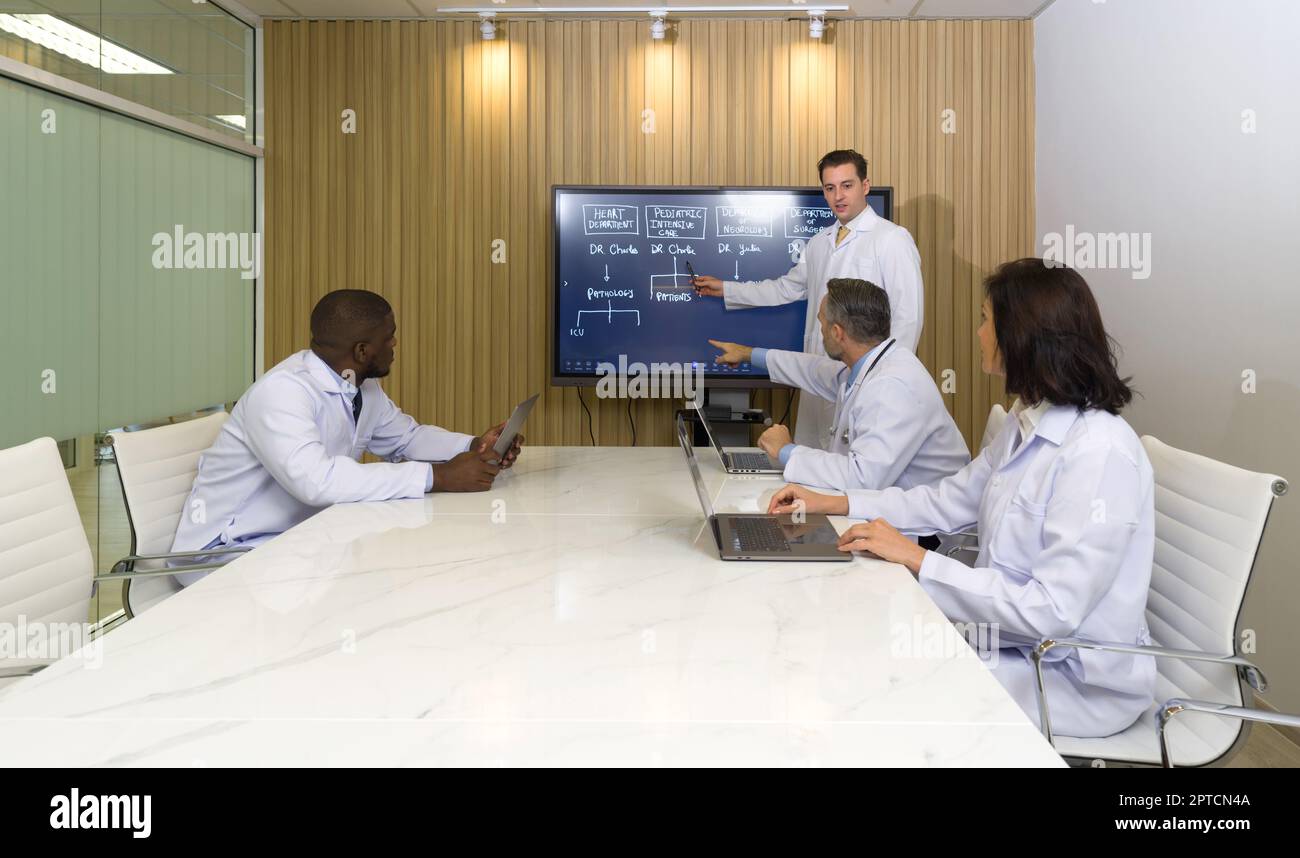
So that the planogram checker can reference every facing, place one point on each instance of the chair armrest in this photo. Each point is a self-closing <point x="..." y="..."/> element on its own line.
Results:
<point x="125" y="568"/>
<point x="966" y="540"/>
<point x="1246" y="669"/>
<point x="116" y="574"/>
<point x="172" y="555"/>
<point x="25" y="670"/>
<point x="1174" y="705"/>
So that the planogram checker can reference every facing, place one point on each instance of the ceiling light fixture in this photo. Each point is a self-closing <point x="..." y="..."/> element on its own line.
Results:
<point x="816" y="23"/>
<point x="68" y="39"/>
<point x="487" y="29"/>
<point x="658" y="26"/>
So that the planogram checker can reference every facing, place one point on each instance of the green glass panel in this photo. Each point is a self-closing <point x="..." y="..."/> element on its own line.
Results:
<point x="172" y="339"/>
<point x="49" y="265"/>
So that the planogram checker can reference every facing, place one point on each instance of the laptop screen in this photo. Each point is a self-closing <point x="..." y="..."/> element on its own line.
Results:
<point x="684" y="438"/>
<point x="708" y="430"/>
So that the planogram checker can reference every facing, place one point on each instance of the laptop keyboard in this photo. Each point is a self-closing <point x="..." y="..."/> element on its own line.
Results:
<point x="758" y="534"/>
<point x="751" y="461"/>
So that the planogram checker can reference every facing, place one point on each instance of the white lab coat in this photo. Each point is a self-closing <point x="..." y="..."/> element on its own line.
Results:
<point x="1067" y="534"/>
<point x="875" y="250"/>
<point x="291" y="448"/>
<point x="890" y="427"/>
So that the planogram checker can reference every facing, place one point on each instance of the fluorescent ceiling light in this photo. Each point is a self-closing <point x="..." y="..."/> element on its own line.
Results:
<point x="81" y="45"/>
<point x="235" y="119"/>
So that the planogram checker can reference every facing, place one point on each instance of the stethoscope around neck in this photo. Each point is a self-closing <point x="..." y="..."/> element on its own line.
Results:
<point x="848" y="394"/>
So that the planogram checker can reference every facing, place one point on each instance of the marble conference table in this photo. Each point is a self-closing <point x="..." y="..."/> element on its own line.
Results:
<point x="575" y="615"/>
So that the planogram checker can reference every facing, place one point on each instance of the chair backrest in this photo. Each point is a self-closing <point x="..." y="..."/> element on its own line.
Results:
<point x="997" y="416"/>
<point x="157" y="468"/>
<point x="1210" y="519"/>
<point x="46" y="568"/>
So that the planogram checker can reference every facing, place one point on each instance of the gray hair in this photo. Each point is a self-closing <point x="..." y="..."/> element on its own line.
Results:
<point x="859" y="307"/>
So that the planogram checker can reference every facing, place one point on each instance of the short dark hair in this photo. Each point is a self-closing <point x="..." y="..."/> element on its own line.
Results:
<point x="859" y="307"/>
<point x="1053" y="344"/>
<point x="839" y="157"/>
<point x="345" y="317"/>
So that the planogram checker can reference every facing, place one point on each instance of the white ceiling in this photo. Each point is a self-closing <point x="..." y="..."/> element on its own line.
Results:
<point x="858" y="8"/>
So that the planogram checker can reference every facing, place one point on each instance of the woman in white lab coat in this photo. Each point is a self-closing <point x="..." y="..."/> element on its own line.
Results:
<point x="1063" y="499"/>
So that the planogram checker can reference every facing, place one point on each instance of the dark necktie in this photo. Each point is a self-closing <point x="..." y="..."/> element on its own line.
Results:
<point x="356" y="406"/>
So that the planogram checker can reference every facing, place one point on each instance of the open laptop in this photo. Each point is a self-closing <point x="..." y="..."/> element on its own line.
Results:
<point x="758" y="536"/>
<point x="737" y="463"/>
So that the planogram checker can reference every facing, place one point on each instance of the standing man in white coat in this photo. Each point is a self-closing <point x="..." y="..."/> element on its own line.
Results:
<point x="860" y="245"/>
<point x="1064" y="500"/>
<point x="890" y="426"/>
<point x="294" y="440"/>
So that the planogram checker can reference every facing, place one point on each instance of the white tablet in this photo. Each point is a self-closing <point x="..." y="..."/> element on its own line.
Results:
<point x="513" y="425"/>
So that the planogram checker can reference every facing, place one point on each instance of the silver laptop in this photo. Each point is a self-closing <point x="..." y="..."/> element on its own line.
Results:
<point x="737" y="463"/>
<point x="756" y="536"/>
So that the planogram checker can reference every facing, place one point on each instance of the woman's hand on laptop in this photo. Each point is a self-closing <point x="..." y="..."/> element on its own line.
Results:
<point x="793" y="500"/>
<point x="883" y="540"/>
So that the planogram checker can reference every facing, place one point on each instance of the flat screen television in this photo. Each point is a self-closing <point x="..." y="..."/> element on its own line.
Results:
<point x="623" y="258"/>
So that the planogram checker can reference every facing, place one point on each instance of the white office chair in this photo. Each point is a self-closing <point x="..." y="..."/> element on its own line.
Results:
<point x="157" y="468"/>
<point x="965" y="545"/>
<point x="1210" y="520"/>
<point x="45" y="562"/>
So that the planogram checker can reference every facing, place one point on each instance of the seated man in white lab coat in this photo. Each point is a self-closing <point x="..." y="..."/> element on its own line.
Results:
<point x="889" y="426"/>
<point x="294" y="440"/>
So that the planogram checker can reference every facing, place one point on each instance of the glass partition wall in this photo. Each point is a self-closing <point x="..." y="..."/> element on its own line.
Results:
<point x="186" y="59"/>
<point x="128" y="251"/>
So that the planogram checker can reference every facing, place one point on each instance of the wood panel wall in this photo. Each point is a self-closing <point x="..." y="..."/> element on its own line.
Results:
<point x="458" y="142"/>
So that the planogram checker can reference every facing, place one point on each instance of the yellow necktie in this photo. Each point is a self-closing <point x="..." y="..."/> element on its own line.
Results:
<point x="839" y="236"/>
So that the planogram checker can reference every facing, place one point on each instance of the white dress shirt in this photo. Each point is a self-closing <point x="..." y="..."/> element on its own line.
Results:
<point x="890" y="426"/>
<point x="291" y="447"/>
<point x="1067" y="533"/>
<point x="1027" y="418"/>
<point x="875" y="250"/>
